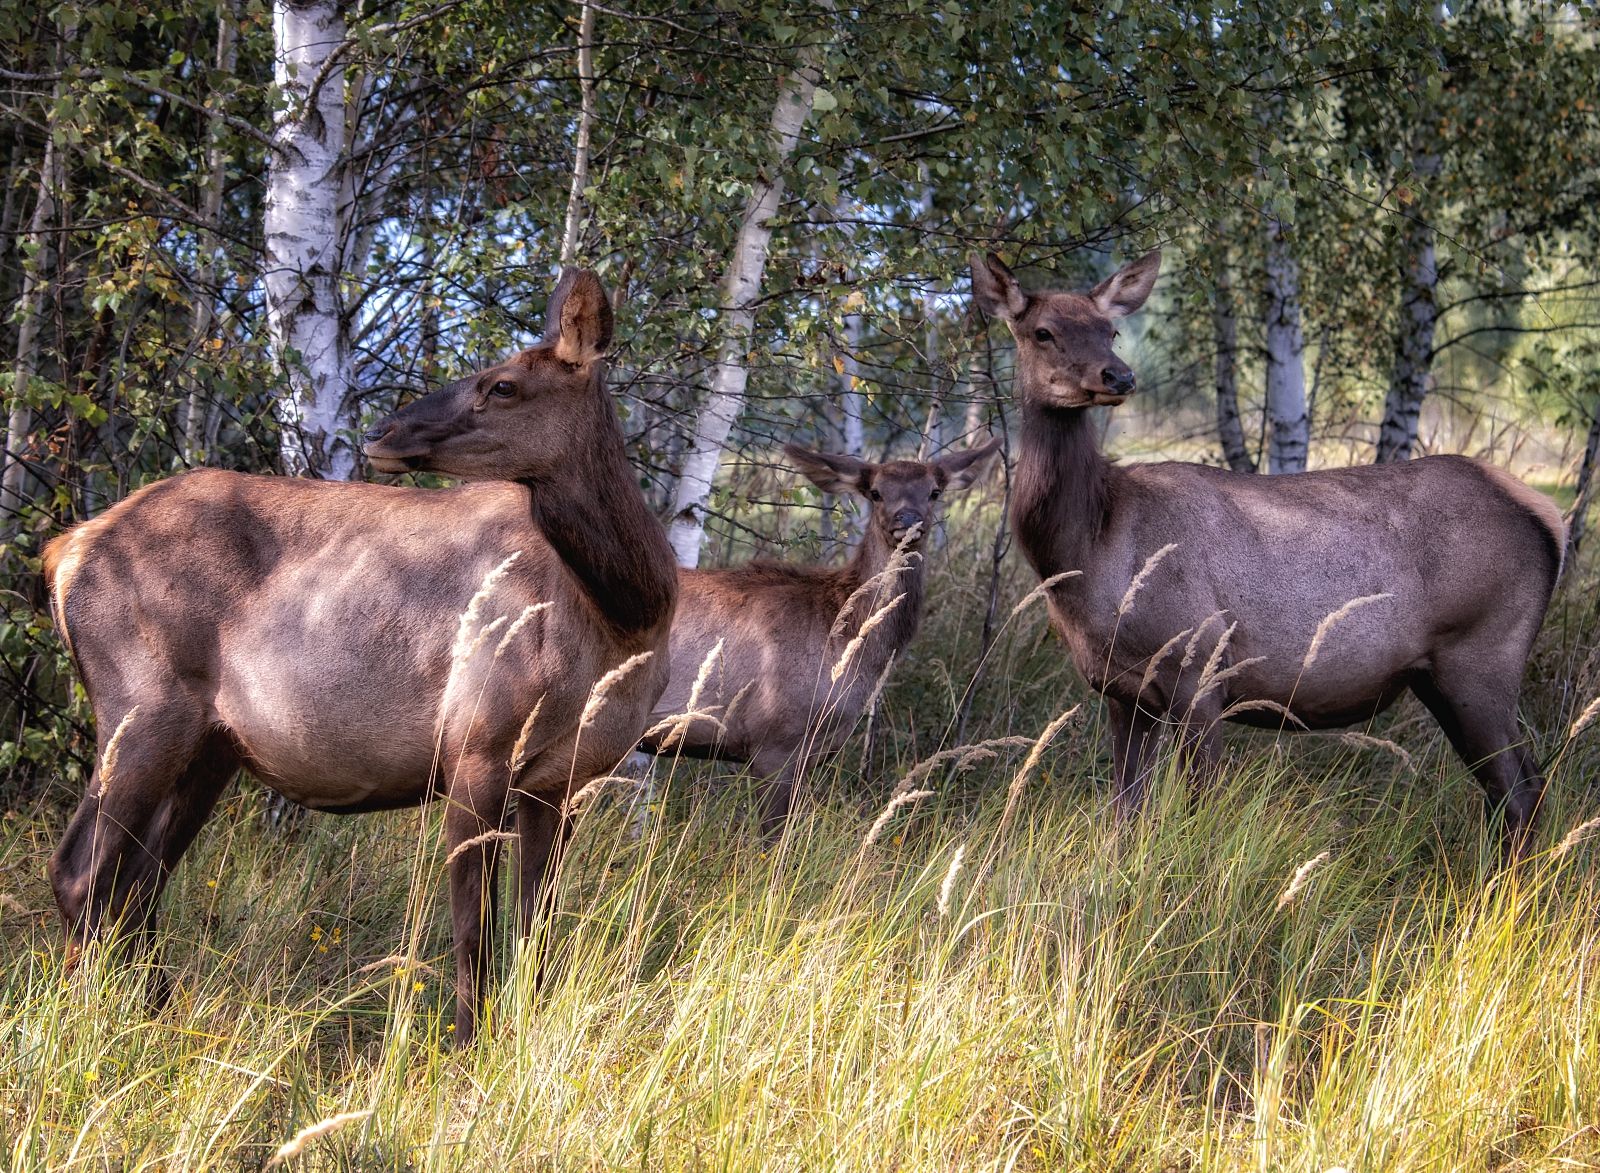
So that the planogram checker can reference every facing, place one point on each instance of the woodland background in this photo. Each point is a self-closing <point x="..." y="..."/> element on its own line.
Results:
<point x="234" y="233"/>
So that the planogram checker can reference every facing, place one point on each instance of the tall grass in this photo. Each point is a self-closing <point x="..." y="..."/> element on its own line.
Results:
<point x="1314" y="964"/>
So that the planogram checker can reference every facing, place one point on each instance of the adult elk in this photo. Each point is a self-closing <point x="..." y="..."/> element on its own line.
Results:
<point x="773" y="663"/>
<point x="361" y="647"/>
<point x="1313" y="600"/>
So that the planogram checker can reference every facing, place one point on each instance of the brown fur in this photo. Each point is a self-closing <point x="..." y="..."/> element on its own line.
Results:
<point x="311" y="631"/>
<point x="771" y="698"/>
<point x="1465" y="554"/>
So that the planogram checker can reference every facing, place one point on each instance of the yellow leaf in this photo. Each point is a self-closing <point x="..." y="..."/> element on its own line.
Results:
<point x="838" y="364"/>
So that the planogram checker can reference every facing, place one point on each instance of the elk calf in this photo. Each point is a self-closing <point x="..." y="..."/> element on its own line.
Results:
<point x="1310" y="601"/>
<point x="772" y="664"/>
<point x="361" y="647"/>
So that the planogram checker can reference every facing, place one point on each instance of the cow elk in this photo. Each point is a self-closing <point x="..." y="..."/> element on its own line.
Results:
<point x="773" y="664"/>
<point x="360" y="647"/>
<point x="1189" y="595"/>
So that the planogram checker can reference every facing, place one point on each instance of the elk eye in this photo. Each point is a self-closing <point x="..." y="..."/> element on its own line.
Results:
<point x="933" y="496"/>
<point x="505" y="389"/>
<point x="1043" y="335"/>
<point x="877" y="496"/>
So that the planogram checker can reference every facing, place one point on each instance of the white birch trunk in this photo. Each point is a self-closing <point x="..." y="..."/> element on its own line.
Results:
<point x="580" y="155"/>
<point x="849" y="385"/>
<point x="1286" y="370"/>
<point x="303" y="246"/>
<point x="211" y="253"/>
<point x="741" y="292"/>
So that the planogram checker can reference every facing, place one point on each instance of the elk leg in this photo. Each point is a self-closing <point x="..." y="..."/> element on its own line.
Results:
<point x="780" y="771"/>
<point x="1133" y="736"/>
<point x="1200" y="750"/>
<point x="476" y="811"/>
<point x="1481" y="722"/>
<point x="543" y="832"/>
<point x="134" y="822"/>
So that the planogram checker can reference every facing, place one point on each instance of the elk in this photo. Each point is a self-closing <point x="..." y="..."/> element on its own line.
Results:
<point x="774" y="663"/>
<point x="360" y="647"/>
<point x="1188" y="595"/>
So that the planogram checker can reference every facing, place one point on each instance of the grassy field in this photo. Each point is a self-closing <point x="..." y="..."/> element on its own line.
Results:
<point x="1314" y="965"/>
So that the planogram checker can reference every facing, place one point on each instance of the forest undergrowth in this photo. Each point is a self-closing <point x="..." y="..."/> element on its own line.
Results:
<point x="1315" y="963"/>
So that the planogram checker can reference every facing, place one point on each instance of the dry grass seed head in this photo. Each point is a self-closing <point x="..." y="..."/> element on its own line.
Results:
<point x="1302" y="876"/>
<point x="296" y="1145"/>
<point x="521" y="746"/>
<point x="1040" y="591"/>
<point x="1584" y="718"/>
<point x="1209" y="684"/>
<point x="1191" y="649"/>
<point x="1261" y="705"/>
<point x="528" y="613"/>
<point x="895" y="804"/>
<point x="948" y="887"/>
<point x="704" y="675"/>
<point x="468" y="620"/>
<point x="1161" y="655"/>
<point x="603" y="687"/>
<point x="108" y="760"/>
<point x="1576" y="837"/>
<point x="594" y="786"/>
<point x="899" y="562"/>
<point x="1367" y="741"/>
<point x="1330" y="620"/>
<point x="1143" y="577"/>
<point x="478" y="841"/>
<point x="867" y="628"/>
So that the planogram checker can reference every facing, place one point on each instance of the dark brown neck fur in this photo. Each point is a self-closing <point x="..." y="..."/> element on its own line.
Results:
<point x="595" y="518"/>
<point x="1063" y="489"/>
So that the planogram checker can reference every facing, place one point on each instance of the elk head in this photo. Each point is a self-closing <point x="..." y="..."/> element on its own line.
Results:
<point x="901" y="493"/>
<point x="1064" y="340"/>
<point x="521" y="419"/>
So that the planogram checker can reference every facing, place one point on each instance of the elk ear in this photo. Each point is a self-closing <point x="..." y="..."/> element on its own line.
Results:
<point x="578" y="319"/>
<point x="831" y="474"/>
<point x="1126" y="289"/>
<point x="996" y="288"/>
<point x="965" y="468"/>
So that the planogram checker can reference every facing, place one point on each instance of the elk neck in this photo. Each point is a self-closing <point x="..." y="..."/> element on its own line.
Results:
<point x="594" y="517"/>
<point x="1063" y="487"/>
<point x="896" y="629"/>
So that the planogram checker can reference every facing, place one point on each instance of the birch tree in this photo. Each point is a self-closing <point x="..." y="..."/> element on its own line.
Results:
<point x="38" y="259"/>
<point x="211" y="252"/>
<point x="1225" y="338"/>
<point x="303" y="248"/>
<point x="1286" y="369"/>
<point x="580" y="153"/>
<point x="741" y="294"/>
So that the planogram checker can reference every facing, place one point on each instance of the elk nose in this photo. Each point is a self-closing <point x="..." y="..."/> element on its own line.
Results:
<point x="905" y="519"/>
<point x="378" y="432"/>
<point x="1118" y="381"/>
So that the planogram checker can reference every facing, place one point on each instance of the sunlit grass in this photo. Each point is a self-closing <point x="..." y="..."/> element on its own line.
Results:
<point x="1155" y="995"/>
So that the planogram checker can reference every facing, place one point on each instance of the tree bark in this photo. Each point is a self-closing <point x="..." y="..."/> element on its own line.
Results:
<point x="580" y="154"/>
<point x="1413" y="345"/>
<point x="1578" y="519"/>
<point x="1286" y="371"/>
<point x="741" y="293"/>
<point x="211" y="250"/>
<point x="1225" y="332"/>
<point x="38" y="258"/>
<point x="303" y="246"/>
